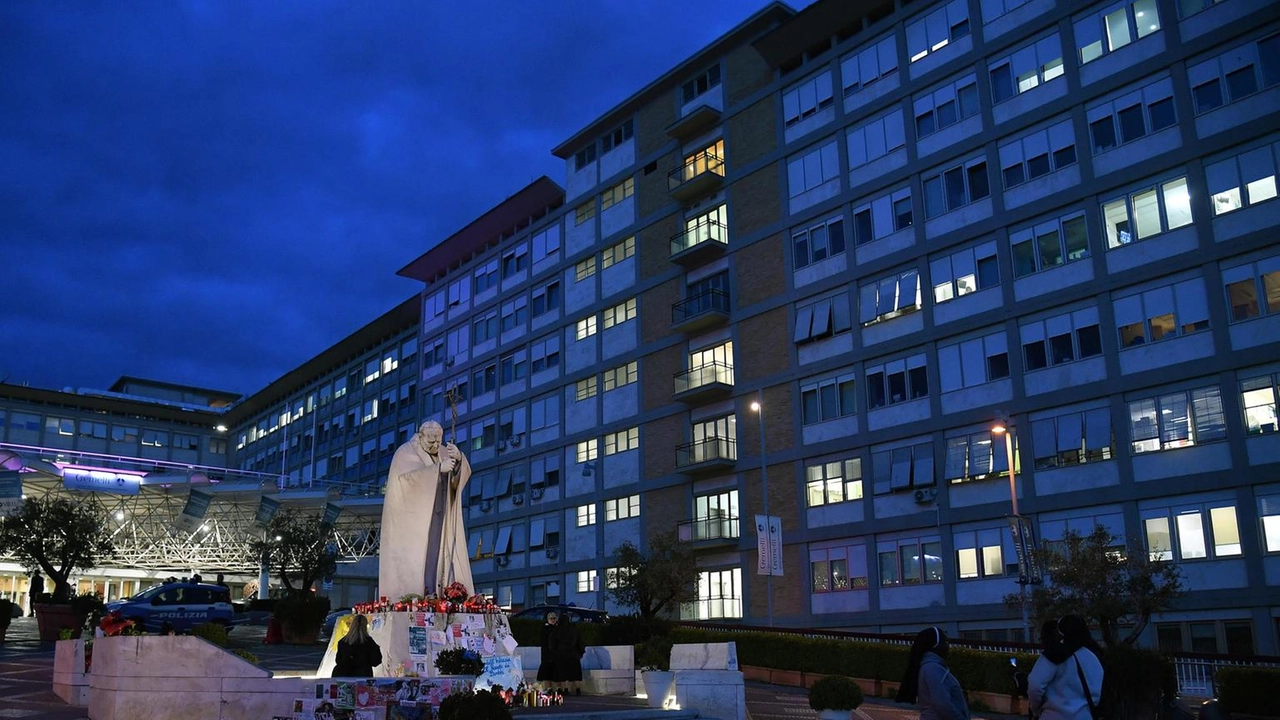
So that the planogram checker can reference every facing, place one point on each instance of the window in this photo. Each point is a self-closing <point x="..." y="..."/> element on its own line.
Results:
<point x="621" y="441"/>
<point x="618" y="252"/>
<point x="586" y="580"/>
<point x="622" y="508"/>
<point x="973" y="362"/>
<point x="701" y="84"/>
<point x="1163" y="312"/>
<point x="584" y="157"/>
<point x="617" y="194"/>
<point x="1187" y="8"/>
<point x="586" y="515"/>
<point x="1026" y="68"/>
<point x="1114" y="27"/>
<point x="890" y="297"/>
<point x="485" y="327"/>
<point x="822" y="319"/>
<point x="1235" y="74"/>
<point x="815" y="167"/>
<point x="978" y="456"/>
<point x="946" y="105"/>
<point x="150" y="438"/>
<point x="619" y="313"/>
<point x="839" y="569"/>
<point x="955" y="187"/>
<point x="484" y="379"/>
<point x="818" y="242"/>
<point x="515" y="260"/>
<point x="992" y="9"/>
<point x="546" y="298"/>
<point x="433" y="307"/>
<point x="874" y="61"/>
<point x="98" y="431"/>
<point x="1038" y="154"/>
<point x="584" y="212"/>
<point x="882" y="217"/>
<point x="1049" y="244"/>
<point x="836" y="481"/>
<point x="1269" y="511"/>
<point x="910" y="562"/>
<point x="1254" y="170"/>
<point x="617" y="136"/>
<point x="828" y="399"/>
<point x="1073" y="438"/>
<point x="1175" y="420"/>
<point x="1060" y="339"/>
<point x="1253" y="289"/>
<point x="937" y="29"/>
<point x="1146" y="212"/>
<point x="896" y="381"/>
<point x="1182" y="533"/>
<point x="545" y="353"/>
<point x="544" y="412"/>
<point x="515" y="314"/>
<point x="719" y="595"/>
<point x="513" y="367"/>
<point x="587" y="450"/>
<point x="806" y="98"/>
<point x="876" y="138"/>
<point x="586" y="327"/>
<point x="544" y="243"/>
<point x="980" y="553"/>
<point x="459" y="291"/>
<point x="622" y="375"/>
<point x="1131" y="116"/>
<point x="585" y="389"/>
<point x="964" y="272"/>
<point x="66" y="427"/>
<point x="584" y="269"/>
<point x="1258" y="397"/>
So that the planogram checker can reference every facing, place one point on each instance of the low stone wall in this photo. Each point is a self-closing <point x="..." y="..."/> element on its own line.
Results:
<point x="606" y="669"/>
<point x="70" y="681"/>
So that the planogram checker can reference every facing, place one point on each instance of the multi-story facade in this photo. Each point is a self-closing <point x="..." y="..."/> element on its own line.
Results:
<point x="893" y="225"/>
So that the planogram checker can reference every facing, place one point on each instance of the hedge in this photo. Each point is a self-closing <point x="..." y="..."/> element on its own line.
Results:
<point x="1251" y="691"/>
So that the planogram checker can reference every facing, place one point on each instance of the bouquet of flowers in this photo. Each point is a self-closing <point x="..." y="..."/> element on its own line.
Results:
<point x="456" y="592"/>
<point x="459" y="661"/>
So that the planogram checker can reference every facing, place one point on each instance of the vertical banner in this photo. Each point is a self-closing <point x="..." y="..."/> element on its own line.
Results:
<point x="331" y="513"/>
<point x="267" y="508"/>
<point x="1024" y="544"/>
<point x="192" y="516"/>
<point x="775" y="545"/>
<point x="10" y="492"/>
<point x="768" y="545"/>
<point x="762" y="545"/>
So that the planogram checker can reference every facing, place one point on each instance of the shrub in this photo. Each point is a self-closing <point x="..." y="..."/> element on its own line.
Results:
<point x="240" y="652"/>
<point x="632" y="630"/>
<point x="459" y="661"/>
<point x="654" y="654"/>
<point x="302" y="613"/>
<point x="1135" y="681"/>
<point x="6" y="612"/>
<point x="835" y="692"/>
<point x="1251" y="691"/>
<point x="529" y="633"/>
<point x="482" y="705"/>
<point x="213" y="632"/>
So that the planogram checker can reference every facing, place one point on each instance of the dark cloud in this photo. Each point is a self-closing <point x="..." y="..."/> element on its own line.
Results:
<point x="211" y="192"/>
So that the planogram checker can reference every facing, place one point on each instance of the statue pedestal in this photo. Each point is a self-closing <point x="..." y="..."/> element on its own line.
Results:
<point x="410" y="640"/>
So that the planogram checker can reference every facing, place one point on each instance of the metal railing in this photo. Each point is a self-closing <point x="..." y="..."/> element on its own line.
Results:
<point x="700" y="304"/>
<point x="708" y="528"/>
<point x="694" y="167"/>
<point x="705" y="374"/>
<point x="708" y="450"/>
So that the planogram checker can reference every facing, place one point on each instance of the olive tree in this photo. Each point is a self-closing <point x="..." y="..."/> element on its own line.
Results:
<point x="57" y="536"/>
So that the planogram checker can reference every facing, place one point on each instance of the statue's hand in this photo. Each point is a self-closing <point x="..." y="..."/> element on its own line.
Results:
<point x="446" y="465"/>
<point x="453" y="452"/>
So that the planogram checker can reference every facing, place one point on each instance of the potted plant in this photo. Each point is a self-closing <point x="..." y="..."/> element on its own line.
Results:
<point x="653" y="656"/>
<point x="478" y="705"/>
<point x="57" y="536"/>
<point x="459" y="661"/>
<point x="835" y="697"/>
<point x="301" y="616"/>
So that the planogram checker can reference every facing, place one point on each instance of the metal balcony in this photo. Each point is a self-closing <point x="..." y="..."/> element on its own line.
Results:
<point x="707" y="309"/>
<point x="700" y="244"/>
<point x="694" y="123"/>
<point x="701" y="174"/>
<point x="714" y="530"/>
<point x="713" y="380"/>
<point x="707" y="456"/>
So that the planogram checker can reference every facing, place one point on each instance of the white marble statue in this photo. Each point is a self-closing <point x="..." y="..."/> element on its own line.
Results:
<point x="424" y="544"/>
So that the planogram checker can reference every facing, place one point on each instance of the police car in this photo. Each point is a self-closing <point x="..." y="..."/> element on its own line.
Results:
<point x="182" y="605"/>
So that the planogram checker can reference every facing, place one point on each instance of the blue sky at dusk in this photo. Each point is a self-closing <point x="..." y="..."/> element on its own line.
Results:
<point x="212" y="192"/>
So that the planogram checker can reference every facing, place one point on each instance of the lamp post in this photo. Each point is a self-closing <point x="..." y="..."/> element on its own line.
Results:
<point x="758" y="407"/>
<point x="1005" y="427"/>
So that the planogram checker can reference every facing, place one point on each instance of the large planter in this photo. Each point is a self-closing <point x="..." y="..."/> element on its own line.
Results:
<point x="296" y="635"/>
<point x="657" y="686"/>
<point x="52" y="618"/>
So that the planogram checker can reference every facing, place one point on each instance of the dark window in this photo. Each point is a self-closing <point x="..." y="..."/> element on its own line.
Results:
<point x="954" y="180"/>
<point x="1242" y="82"/>
<point x="801" y="250"/>
<point x="1024" y="259"/>
<point x="1038" y="166"/>
<point x="947" y="114"/>
<point x="897" y="387"/>
<point x="968" y="96"/>
<point x="835" y="237"/>
<point x="1269" y="55"/>
<point x="1077" y="238"/>
<point x="1034" y="355"/>
<point x="902" y="213"/>
<point x="1208" y="96"/>
<point x="1062" y="350"/>
<point x="1050" y="248"/>
<point x="960" y="29"/>
<point x="1063" y="157"/>
<point x="919" y="382"/>
<point x="1089" y="339"/>
<point x="862" y="233"/>
<point x="1162" y="115"/>
<point x="1132" y="126"/>
<point x="988" y="272"/>
<point x="1013" y="175"/>
<point x="875" y="390"/>
<point x="1104" y="134"/>
<point x="998" y="366"/>
<point x="978" y="185"/>
<point x="1001" y="83"/>
<point x="925" y="124"/>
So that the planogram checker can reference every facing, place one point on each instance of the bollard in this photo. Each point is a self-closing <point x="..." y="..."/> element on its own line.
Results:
<point x="1211" y="710"/>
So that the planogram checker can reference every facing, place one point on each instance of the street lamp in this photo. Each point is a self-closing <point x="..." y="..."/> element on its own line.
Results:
<point x="1005" y="427"/>
<point x="757" y="406"/>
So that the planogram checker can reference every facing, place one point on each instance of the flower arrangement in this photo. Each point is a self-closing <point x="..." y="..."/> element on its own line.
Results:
<point x="459" y="661"/>
<point x="456" y="592"/>
<point x="453" y="599"/>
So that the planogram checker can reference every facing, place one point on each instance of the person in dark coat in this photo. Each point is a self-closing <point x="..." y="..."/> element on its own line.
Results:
<point x="358" y="654"/>
<point x="562" y="652"/>
<point x="37" y="587"/>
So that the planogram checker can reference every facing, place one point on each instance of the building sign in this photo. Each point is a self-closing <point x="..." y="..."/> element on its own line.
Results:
<point x="331" y="513"/>
<point x="10" y="492"/>
<point x="103" y="481"/>
<point x="1024" y="543"/>
<point x="768" y="545"/>
<point x="192" y="516"/>
<point x="267" y="508"/>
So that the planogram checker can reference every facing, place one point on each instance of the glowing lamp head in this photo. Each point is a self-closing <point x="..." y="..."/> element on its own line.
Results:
<point x="755" y="407"/>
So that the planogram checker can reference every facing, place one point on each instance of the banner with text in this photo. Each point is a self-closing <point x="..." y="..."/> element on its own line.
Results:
<point x="192" y="516"/>
<point x="331" y="513"/>
<point x="267" y="508"/>
<point x="768" y="545"/>
<point x="100" y="481"/>
<point x="10" y="492"/>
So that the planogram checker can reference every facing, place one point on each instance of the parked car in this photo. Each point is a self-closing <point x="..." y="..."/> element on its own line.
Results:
<point x="572" y="612"/>
<point x="182" y="605"/>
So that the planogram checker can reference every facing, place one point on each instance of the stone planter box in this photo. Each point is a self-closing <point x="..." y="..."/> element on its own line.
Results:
<point x="70" y="672"/>
<point x="790" y="678"/>
<point x="755" y="674"/>
<point x="999" y="702"/>
<point x="869" y="688"/>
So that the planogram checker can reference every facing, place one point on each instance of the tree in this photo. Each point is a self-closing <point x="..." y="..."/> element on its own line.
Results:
<point x="1095" y="577"/>
<point x="656" y="581"/>
<point x="296" y="546"/>
<point x="57" y="536"/>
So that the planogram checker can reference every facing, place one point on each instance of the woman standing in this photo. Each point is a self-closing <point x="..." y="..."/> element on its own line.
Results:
<point x="929" y="683"/>
<point x="358" y="654"/>
<point x="1066" y="682"/>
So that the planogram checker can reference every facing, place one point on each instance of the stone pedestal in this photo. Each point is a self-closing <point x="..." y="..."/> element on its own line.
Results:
<point x="708" y="680"/>
<point x="432" y="632"/>
<point x="70" y="681"/>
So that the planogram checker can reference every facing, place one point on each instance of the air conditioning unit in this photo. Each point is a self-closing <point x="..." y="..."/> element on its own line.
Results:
<point x="502" y="446"/>
<point x="448" y="362"/>
<point x="486" y="505"/>
<point x="517" y="499"/>
<point x="553" y="552"/>
<point x="924" y="496"/>
<point x="515" y="441"/>
<point x="535" y="494"/>
<point x="501" y="560"/>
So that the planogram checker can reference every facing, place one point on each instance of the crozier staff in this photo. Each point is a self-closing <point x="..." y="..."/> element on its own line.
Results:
<point x="423" y="540"/>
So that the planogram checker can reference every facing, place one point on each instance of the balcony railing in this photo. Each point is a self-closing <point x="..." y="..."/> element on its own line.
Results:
<point x="720" y="527"/>
<point x="708" y="378"/>
<point x="708" y="454"/>
<point x="707" y="308"/>
<point x="699" y="243"/>
<point x="701" y="174"/>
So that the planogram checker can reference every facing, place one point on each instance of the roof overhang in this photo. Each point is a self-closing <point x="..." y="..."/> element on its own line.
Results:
<point x="814" y="24"/>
